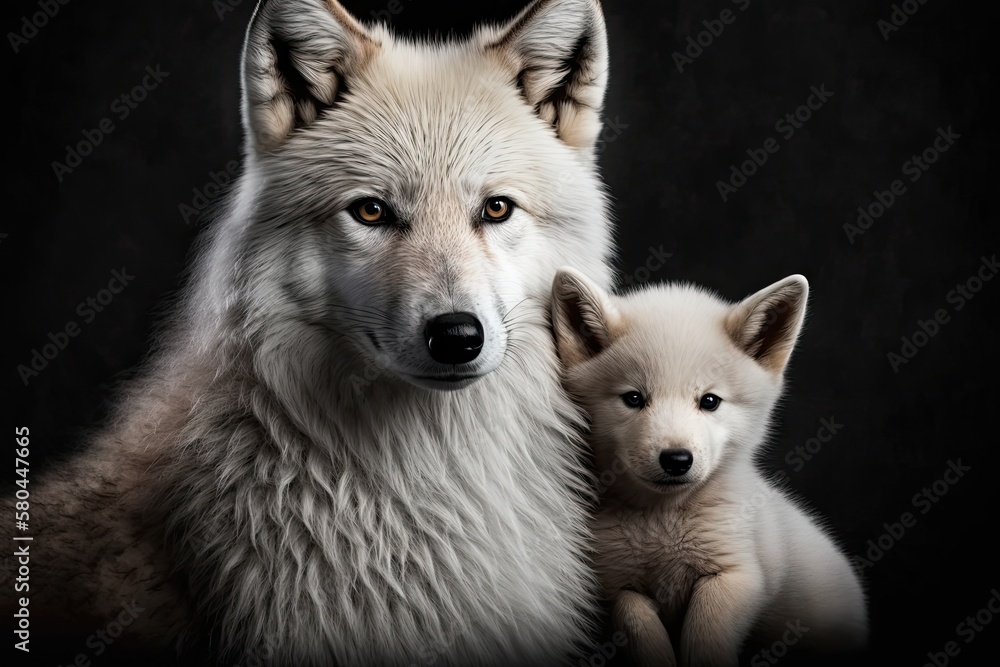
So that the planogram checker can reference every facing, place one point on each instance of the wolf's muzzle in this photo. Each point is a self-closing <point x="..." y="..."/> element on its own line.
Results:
<point x="454" y="338"/>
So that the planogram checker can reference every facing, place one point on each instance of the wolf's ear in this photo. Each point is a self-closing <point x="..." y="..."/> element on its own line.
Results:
<point x="583" y="318"/>
<point x="766" y="324"/>
<point x="560" y="53"/>
<point x="297" y="56"/>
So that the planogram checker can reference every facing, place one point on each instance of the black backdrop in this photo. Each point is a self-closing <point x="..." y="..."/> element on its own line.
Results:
<point x="675" y="130"/>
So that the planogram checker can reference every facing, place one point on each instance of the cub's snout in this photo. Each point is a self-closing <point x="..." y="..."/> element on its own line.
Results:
<point x="675" y="462"/>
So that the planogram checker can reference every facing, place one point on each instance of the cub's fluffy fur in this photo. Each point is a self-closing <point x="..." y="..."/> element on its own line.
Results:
<point x="696" y="550"/>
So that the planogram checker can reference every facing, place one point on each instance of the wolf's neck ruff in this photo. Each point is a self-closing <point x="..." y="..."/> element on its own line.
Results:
<point x="445" y="521"/>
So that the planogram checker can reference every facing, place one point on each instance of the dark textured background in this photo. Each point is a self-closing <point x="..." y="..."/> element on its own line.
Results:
<point x="677" y="134"/>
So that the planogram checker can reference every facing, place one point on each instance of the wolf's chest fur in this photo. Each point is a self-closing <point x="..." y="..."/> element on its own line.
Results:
<point x="455" y="527"/>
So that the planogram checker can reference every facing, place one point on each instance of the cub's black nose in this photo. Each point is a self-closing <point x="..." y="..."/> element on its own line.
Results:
<point x="454" y="338"/>
<point x="676" y="462"/>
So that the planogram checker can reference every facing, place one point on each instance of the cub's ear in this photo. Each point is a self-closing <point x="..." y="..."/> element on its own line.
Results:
<point x="583" y="318"/>
<point x="766" y="324"/>
<point x="559" y="51"/>
<point x="296" y="59"/>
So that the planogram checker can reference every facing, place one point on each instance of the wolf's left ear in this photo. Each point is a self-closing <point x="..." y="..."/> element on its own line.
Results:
<point x="559" y="50"/>
<point x="766" y="324"/>
<point x="584" y="320"/>
<point x="297" y="57"/>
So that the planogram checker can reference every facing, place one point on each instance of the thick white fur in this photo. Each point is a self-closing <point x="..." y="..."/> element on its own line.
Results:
<point x="318" y="503"/>
<point x="693" y="571"/>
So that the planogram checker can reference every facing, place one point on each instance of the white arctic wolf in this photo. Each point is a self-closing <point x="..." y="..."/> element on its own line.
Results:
<point x="353" y="445"/>
<point x="679" y="387"/>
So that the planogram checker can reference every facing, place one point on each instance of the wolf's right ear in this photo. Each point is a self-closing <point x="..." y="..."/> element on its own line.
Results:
<point x="559" y="52"/>
<point x="296" y="58"/>
<point x="584" y="320"/>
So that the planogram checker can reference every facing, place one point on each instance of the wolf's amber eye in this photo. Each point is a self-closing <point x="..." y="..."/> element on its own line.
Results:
<point x="497" y="209"/>
<point x="371" y="211"/>
<point x="634" y="400"/>
<point x="709" y="402"/>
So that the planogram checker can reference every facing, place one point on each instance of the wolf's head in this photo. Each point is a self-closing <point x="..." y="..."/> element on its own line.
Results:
<point x="408" y="197"/>
<point x="675" y="380"/>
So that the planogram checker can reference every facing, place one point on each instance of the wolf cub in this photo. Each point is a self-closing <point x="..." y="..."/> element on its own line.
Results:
<point x="698" y="553"/>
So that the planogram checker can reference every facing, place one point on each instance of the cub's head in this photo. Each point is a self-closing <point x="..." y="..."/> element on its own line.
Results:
<point x="674" y="380"/>
<point x="416" y="198"/>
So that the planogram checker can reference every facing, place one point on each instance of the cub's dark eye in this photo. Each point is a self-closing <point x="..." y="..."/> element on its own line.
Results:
<point x="634" y="400"/>
<point x="710" y="402"/>
<point x="372" y="212"/>
<point x="497" y="209"/>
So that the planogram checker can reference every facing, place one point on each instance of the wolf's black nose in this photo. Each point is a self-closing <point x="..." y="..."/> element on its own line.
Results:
<point x="454" y="338"/>
<point x="676" y="462"/>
